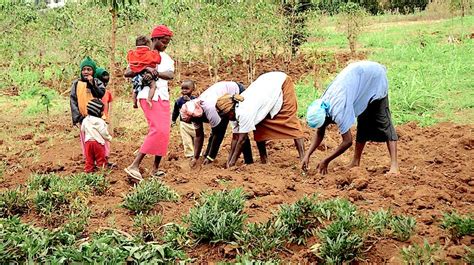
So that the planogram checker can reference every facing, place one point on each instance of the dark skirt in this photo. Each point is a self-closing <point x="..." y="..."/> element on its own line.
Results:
<point x="375" y="123"/>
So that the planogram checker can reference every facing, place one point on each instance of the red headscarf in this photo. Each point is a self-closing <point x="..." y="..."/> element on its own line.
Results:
<point x="161" y="31"/>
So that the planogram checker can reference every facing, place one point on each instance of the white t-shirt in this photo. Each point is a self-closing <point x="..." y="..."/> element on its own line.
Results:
<point x="167" y="64"/>
<point x="263" y="97"/>
<point x="95" y="129"/>
<point x="209" y="99"/>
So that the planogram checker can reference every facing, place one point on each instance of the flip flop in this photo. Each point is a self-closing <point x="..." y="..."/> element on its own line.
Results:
<point x="158" y="174"/>
<point x="111" y="165"/>
<point x="134" y="174"/>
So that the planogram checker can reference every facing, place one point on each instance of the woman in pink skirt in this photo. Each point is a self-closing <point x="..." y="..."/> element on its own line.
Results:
<point x="158" y="116"/>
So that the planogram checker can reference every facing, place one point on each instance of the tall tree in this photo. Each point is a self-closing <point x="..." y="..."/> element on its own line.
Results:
<point x="114" y="7"/>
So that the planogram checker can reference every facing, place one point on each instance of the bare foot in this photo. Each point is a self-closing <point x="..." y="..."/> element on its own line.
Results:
<point x="393" y="171"/>
<point x="353" y="164"/>
<point x="263" y="159"/>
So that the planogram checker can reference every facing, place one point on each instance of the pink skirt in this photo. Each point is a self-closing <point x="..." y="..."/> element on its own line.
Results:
<point x="159" y="125"/>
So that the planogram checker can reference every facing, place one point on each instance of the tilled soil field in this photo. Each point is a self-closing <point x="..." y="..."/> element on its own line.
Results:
<point x="436" y="177"/>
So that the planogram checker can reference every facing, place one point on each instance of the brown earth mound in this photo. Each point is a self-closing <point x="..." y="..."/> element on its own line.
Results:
<point x="436" y="177"/>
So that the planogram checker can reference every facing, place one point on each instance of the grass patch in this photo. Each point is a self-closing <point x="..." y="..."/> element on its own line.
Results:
<point x="457" y="225"/>
<point x="57" y="198"/>
<point x="300" y="218"/>
<point x="60" y="200"/>
<point x="217" y="216"/>
<point x="147" y="194"/>
<point x="148" y="226"/>
<point x="421" y="254"/>
<point x="21" y="243"/>
<point x="260" y="241"/>
<point x="13" y="202"/>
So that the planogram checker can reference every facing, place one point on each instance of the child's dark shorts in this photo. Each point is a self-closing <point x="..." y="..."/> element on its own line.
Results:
<point x="375" y="123"/>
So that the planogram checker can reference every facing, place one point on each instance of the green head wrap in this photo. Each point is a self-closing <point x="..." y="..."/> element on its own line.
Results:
<point x="88" y="62"/>
<point x="100" y="72"/>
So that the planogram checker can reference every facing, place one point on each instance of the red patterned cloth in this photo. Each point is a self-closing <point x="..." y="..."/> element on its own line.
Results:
<point x="141" y="58"/>
<point x="161" y="31"/>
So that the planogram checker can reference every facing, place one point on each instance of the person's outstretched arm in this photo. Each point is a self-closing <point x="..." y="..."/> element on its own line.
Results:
<point x="317" y="140"/>
<point x="198" y="143"/>
<point x="343" y="146"/>
<point x="238" y="140"/>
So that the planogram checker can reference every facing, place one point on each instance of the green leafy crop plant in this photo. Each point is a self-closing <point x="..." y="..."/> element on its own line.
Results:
<point x="217" y="216"/>
<point x="147" y="194"/>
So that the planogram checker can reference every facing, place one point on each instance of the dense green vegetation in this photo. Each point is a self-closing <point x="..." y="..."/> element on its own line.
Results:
<point x="430" y="66"/>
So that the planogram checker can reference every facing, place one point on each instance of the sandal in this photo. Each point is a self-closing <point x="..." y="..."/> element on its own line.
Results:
<point x="111" y="165"/>
<point x="134" y="174"/>
<point x="158" y="174"/>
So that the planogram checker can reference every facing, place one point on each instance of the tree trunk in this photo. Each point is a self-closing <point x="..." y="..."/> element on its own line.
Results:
<point x="111" y="85"/>
<point x="112" y="49"/>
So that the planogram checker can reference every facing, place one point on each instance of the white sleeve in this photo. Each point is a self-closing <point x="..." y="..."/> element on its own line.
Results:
<point x="104" y="132"/>
<point x="167" y="64"/>
<point x="245" y="124"/>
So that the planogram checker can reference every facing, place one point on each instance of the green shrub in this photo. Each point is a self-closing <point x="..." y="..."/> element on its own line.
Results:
<point x="458" y="226"/>
<point x="352" y="18"/>
<point x="379" y="221"/>
<point x="342" y="240"/>
<point x="13" y="202"/>
<point x="176" y="235"/>
<point x="301" y="218"/>
<point x="21" y="243"/>
<point x="335" y="209"/>
<point x="424" y="254"/>
<point x="261" y="241"/>
<point x="148" y="226"/>
<point x="56" y="197"/>
<point x="218" y="216"/>
<point x="147" y="194"/>
<point x="402" y="227"/>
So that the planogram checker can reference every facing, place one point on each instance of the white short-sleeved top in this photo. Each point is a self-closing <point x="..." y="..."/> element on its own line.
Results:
<point x="162" y="92"/>
<point x="263" y="97"/>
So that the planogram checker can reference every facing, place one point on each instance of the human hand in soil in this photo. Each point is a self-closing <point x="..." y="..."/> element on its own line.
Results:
<point x="193" y="163"/>
<point x="207" y="161"/>
<point x="323" y="167"/>
<point x="304" y="163"/>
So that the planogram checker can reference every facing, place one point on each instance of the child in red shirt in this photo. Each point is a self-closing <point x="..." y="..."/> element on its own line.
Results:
<point x="139" y="60"/>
